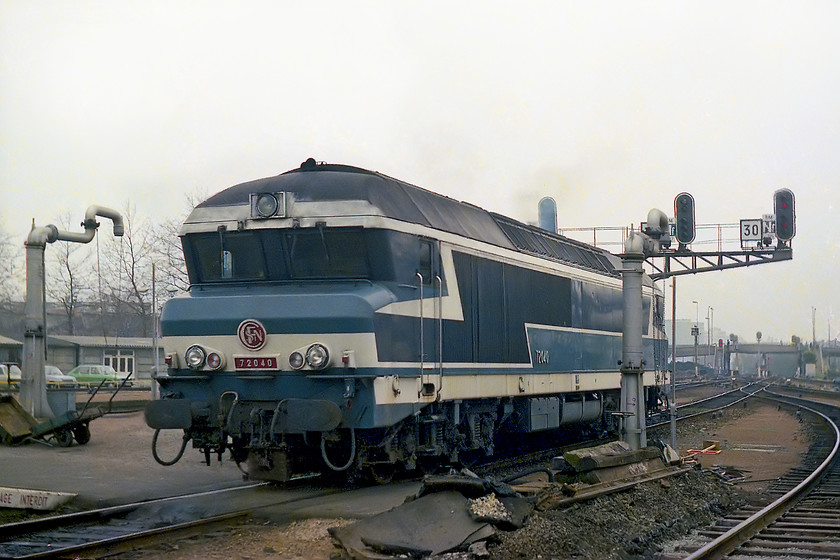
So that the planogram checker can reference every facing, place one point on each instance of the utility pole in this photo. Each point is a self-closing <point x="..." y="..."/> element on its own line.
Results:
<point x="695" y="332"/>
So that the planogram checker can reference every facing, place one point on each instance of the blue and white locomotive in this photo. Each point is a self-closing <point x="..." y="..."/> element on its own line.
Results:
<point x="342" y="320"/>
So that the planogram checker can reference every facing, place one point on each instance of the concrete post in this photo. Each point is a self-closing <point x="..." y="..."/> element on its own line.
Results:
<point x="633" y="415"/>
<point x="33" y="383"/>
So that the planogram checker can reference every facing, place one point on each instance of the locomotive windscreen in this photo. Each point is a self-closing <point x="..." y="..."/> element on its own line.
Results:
<point x="277" y="255"/>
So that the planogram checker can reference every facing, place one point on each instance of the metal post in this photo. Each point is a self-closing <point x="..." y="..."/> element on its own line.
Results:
<point x="634" y="430"/>
<point x="674" y="362"/>
<point x="153" y="385"/>
<point x="695" y="330"/>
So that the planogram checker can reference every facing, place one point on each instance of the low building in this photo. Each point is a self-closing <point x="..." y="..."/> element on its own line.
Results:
<point x="133" y="355"/>
<point x="10" y="350"/>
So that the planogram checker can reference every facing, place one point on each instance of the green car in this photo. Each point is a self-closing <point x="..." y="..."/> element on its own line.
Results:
<point x="94" y="375"/>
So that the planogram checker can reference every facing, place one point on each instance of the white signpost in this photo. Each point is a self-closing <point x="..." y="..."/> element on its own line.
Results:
<point x="751" y="230"/>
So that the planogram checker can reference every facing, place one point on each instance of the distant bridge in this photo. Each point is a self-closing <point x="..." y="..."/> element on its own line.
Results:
<point x="687" y="350"/>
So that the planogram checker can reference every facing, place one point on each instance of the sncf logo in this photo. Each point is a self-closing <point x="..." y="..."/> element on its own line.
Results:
<point x="251" y="334"/>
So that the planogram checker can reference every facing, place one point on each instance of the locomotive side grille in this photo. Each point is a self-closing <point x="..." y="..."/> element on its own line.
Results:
<point x="555" y="247"/>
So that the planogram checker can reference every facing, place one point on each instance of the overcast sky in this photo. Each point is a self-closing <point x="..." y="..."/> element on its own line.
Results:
<point x="612" y="108"/>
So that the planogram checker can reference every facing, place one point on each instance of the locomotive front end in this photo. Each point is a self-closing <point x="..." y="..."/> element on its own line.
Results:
<point x="273" y="353"/>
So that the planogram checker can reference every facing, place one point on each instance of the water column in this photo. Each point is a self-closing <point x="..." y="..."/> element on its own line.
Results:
<point x="632" y="409"/>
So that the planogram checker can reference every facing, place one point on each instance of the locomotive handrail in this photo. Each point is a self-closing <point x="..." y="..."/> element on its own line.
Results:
<point x="422" y="342"/>
<point x="440" y="334"/>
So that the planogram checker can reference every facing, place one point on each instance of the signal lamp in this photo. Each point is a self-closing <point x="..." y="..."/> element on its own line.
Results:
<point x="684" y="218"/>
<point x="783" y="207"/>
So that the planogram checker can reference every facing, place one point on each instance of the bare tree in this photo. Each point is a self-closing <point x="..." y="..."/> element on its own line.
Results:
<point x="12" y="273"/>
<point x="12" y="281"/>
<point x="126" y="277"/>
<point x="171" y="271"/>
<point x="169" y="254"/>
<point x="69" y="275"/>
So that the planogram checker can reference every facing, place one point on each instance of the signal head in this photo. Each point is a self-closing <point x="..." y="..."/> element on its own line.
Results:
<point x="684" y="218"/>
<point x="783" y="207"/>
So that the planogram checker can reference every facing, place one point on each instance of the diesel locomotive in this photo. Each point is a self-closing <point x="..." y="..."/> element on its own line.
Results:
<point x="341" y="320"/>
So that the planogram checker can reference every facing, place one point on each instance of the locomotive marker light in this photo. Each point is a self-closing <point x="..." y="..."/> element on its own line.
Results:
<point x="33" y="386"/>
<point x="215" y="361"/>
<point x="296" y="360"/>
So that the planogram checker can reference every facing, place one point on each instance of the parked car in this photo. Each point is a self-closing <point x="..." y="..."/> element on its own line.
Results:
<point x="10" y="374"/>
<point x="94" y="375"/>
<point x="57" y="379"/>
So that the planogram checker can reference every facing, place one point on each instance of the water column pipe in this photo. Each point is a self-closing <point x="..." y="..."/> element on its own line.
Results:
<point x="33" y="385"/>
<point x="632" y="408"/>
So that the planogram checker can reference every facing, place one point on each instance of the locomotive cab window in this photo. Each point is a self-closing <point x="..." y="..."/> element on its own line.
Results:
<point x="227" y="256"/>
<point x="300" y="254"/>
<point x="328" y="253"/>
<point x="426" y="267"/>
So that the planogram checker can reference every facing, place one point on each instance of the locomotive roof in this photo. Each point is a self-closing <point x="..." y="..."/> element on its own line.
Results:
<point x="314" y="182"/>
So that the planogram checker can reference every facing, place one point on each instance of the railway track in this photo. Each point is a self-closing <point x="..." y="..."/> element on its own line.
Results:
<point x="111" y="530"/>
<point x="803" y="521"/>
<point x="107" y="531"/>
<point x="707" y="405"/>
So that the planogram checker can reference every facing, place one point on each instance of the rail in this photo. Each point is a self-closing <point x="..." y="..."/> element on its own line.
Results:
<point x="106" y="531"/>
<point x="741" y="533"/>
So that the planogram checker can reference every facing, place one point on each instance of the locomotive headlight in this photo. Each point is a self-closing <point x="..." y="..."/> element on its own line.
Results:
<point x="296" y="360"/>
<point x="266" y="205"/>
<point x="195" y="357"/>
<point x="318" y="357"/>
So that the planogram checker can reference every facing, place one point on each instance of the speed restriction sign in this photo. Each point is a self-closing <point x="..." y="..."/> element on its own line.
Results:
<point x="750" y="230"/>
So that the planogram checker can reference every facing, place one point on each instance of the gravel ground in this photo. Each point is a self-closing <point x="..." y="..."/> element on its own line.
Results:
<point x="627" y="524"/>
<point x="635" y="524"/>
<point x="632" y="524"/>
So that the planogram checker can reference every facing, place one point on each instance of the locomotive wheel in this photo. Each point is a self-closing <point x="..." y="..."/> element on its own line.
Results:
<point x="82" y="433"/>
<point x="381" y="473"/>
<point x="64" y="437"/>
